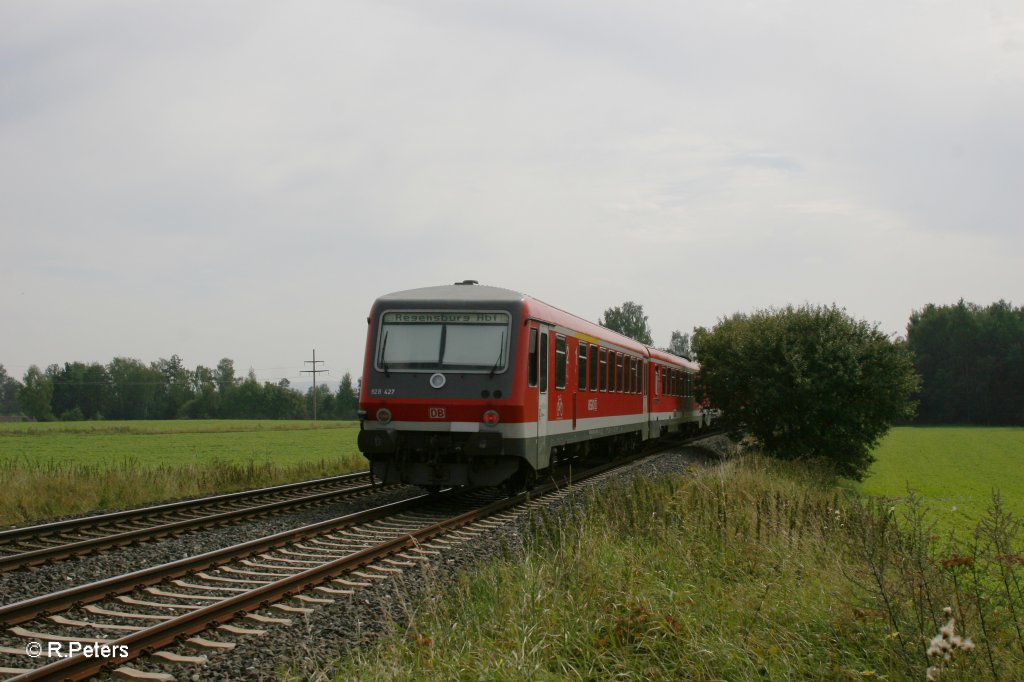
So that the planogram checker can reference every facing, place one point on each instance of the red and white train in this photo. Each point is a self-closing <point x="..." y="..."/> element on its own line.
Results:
<point x="469" y="385"/>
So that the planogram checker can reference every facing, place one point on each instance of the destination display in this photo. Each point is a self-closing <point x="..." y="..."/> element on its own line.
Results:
<point x="448" y="317"/>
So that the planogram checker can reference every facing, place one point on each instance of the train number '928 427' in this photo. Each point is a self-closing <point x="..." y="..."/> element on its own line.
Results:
<point x="469" y="385"/>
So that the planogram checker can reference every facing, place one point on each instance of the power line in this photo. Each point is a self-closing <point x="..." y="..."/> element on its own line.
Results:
<point x="314" y="372"/>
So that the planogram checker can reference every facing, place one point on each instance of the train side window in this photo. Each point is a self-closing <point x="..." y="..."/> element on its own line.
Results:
<point x="620" y="383"/>
<point x="592" y="361"/>
<point x="636" y="375"/>
<point x="561" y="361"/>
<point x="531" y="364"/>
<point x="611" y="371"/>
<point x="628" y="373"/>
<point x="603" y="370"/>
<point x="657" y="381"/>
<point x="581" y="362"/>
<point x="544" y="362"/>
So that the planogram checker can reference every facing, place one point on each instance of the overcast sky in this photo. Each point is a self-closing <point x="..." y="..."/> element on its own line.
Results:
<point x="241" y="179"/>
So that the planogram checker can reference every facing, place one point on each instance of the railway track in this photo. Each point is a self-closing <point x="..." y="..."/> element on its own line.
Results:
<point x="212" y="601"/>
<point x="34" y="545"/>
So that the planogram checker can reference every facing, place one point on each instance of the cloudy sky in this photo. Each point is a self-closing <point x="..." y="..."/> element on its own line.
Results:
<point x="241" y="179"/>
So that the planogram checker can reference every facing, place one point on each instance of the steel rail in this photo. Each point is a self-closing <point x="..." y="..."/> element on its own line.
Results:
<point x="45" y="605"/>
<point x="56" y="527"/>
<point x="64" y="551"/>
<point x="168" y="632"/>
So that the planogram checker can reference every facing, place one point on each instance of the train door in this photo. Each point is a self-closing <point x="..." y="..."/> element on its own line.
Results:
<point x="654" y="385"/>
<point x="643" y="398"/>
<point x="543" y="367"/>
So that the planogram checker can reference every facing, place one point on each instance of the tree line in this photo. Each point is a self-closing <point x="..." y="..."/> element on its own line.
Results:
<point x="969" y="358"/>
<point x="971" y="362"/>
<point x="127" y="388"/>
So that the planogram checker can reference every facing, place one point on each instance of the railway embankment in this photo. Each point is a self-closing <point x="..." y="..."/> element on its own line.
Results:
<point x="747" y="569"/>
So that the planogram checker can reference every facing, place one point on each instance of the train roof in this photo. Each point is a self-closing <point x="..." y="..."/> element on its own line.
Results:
<point x="469" y="291"/>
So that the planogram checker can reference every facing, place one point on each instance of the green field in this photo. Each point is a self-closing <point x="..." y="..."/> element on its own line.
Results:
<point x="153" y="443"/>
<point x="953" y="469"/>
<point x="56" y="469"/>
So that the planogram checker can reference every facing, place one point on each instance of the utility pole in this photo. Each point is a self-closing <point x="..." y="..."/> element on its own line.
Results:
<point x="314" y="372"/>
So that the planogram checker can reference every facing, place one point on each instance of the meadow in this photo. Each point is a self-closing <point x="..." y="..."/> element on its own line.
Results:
<point x="55" y="469"/>
<point x="954" y="470"/>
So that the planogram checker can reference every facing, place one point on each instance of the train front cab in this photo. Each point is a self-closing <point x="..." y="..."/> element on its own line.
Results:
<point x="439" y="388"/>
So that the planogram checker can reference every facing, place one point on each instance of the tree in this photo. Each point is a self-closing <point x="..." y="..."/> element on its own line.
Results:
<point x="134" y="389"/>
<point x="205" y="405"/>
<point x="347" y="401"/>
<point x="971" y="361"/>
<point x="9" y="387"/>
<point x="80" y="391"/>
<point x="680" y="345"/>
<point x="177" y="387"/>
<point x="324" y="407"/>
<point x="807" y="383"/>
<point x="248" y="399"/>
<point x="629" y="320"/>
<point x="36" y="394"/>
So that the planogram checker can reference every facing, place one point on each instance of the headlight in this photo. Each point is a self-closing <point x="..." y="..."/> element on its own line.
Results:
<point x="384" y="415"/>
<point x="491" y="417"/>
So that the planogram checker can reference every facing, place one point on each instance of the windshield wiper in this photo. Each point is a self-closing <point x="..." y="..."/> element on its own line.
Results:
<point x="383" y="347"/>
<point x="501" y="353"/>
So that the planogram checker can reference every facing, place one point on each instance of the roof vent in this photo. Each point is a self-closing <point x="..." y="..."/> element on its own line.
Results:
<point x="467" y="282"/>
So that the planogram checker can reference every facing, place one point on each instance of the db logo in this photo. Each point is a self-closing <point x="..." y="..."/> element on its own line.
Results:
<point x="436" y="412"/>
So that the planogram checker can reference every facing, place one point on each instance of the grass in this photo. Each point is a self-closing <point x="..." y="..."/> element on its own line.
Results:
<point x="750" y="570"/>
<point x="57" y="469"/>
<point x="952" y="469"/>
<point x="154" y="443"/>
<point x="725" y="575"/>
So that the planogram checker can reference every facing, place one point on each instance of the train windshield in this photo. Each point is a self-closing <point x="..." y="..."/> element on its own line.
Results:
<point x="449" y="341"/>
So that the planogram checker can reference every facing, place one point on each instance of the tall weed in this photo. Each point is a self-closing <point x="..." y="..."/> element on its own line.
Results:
<point x="910" y="574"/>
<point x="43" y="489"/>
